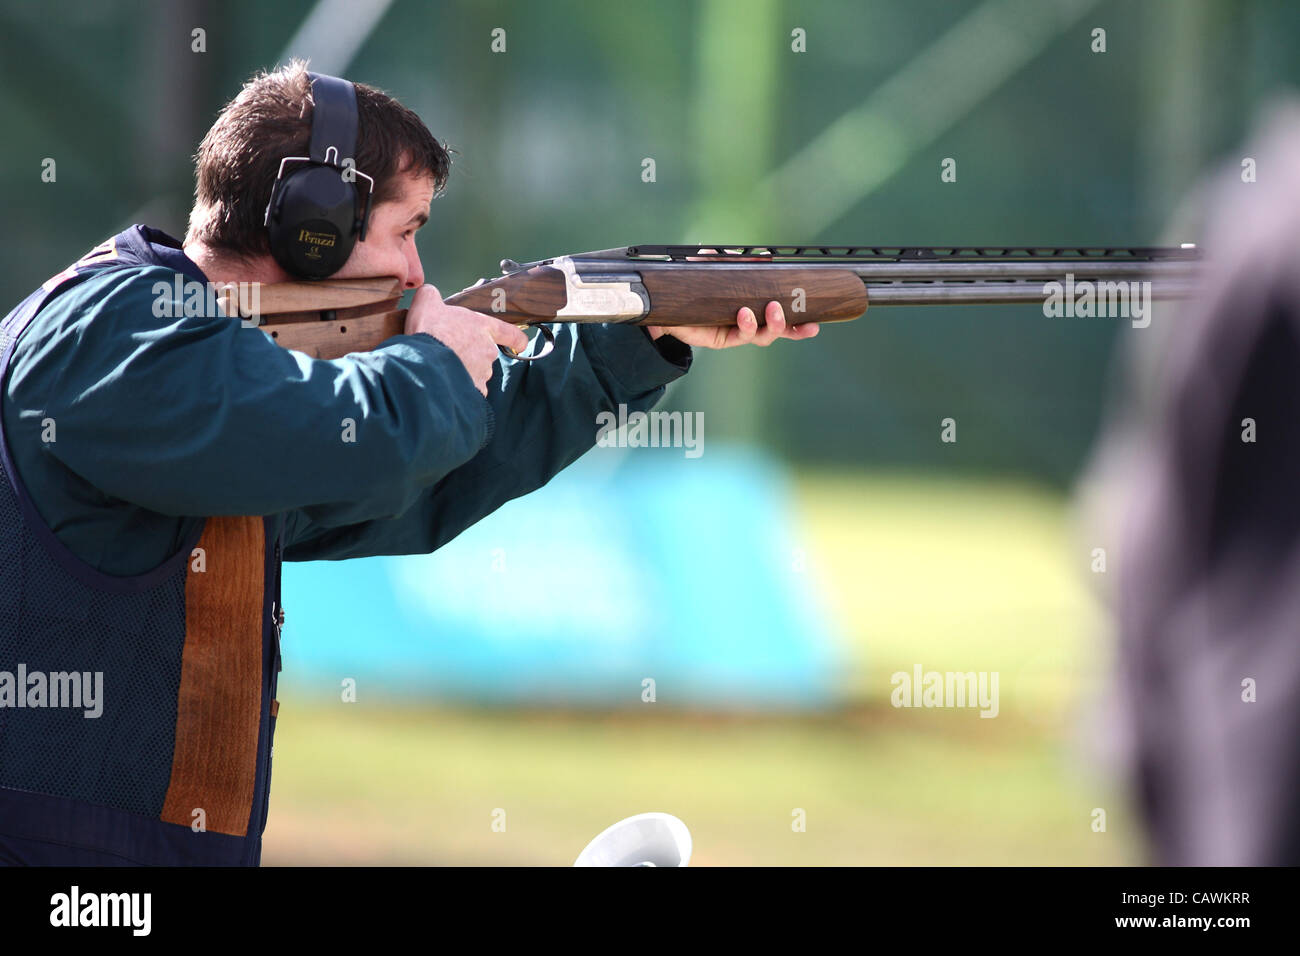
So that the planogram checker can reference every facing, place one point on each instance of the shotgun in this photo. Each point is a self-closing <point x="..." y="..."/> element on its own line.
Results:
<point x="707" y="285"/>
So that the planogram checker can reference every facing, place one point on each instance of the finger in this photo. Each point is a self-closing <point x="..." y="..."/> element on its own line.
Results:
<point x="775" y="314"/>
<point x="503" y="333"/>
<point x="729" y="336"/>
<point x="745" y="329"/>
<point x="774" y="327"/>
<point x="805" y="331"/>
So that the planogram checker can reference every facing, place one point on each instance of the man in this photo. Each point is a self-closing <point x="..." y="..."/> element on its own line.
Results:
<point x="1194" y="488"/>
<point x="159" y="466"/>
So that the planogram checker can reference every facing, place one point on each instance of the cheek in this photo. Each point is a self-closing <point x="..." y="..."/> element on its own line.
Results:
<point x="376" y="254"/>
<point x="363" y="252"/>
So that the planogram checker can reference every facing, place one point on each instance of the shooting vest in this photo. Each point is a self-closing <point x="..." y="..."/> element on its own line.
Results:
<point x="176" y="769"/>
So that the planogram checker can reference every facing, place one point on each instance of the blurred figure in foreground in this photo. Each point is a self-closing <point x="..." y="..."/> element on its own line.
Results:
<point x="1199" y="485"/>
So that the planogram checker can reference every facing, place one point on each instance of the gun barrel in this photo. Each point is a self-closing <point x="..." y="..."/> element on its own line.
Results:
<point x="1004" y="293"/>
<point x="915" y="275"/>
<point x="1042" y="271"/>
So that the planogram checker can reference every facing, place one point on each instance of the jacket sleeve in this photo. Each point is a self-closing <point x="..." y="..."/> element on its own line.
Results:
<point x="545" y="415"/>
<point x="196" y="415"/>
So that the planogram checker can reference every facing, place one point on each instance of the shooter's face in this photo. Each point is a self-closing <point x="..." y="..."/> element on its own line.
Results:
<point x="389" y="247"/>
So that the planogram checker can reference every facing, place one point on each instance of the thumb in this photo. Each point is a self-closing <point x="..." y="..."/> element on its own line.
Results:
<point x="427" y="291"/>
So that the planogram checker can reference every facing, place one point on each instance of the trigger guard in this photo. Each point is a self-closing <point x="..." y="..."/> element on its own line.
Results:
<point x="545" y="332"/>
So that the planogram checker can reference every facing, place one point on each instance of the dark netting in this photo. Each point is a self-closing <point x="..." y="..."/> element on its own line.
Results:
<point x="51" y="622"/>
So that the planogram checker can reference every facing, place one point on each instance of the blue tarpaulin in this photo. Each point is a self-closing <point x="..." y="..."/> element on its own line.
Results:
<point x="631" y="565"/>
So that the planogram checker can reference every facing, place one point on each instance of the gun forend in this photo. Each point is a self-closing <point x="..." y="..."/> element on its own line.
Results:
<point x="557" y="291"/>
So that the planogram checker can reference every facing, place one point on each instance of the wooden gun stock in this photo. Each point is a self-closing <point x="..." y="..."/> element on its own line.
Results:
<point x="326" y="319"/>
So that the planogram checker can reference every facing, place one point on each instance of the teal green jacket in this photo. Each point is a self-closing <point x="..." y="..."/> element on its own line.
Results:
<point x="128" y="426"/>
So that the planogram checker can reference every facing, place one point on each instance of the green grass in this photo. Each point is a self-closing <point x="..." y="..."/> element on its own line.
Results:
<point x="954" y="576"/>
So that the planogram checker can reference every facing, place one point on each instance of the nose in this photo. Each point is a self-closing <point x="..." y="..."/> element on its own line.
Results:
<point x="414" y="271"/>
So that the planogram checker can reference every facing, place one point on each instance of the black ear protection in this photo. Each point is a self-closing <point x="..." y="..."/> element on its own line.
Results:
<point x="317" y="212"/>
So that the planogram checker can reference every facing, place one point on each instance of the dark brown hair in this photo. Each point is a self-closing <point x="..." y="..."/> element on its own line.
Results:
<point x="239" y="157"/>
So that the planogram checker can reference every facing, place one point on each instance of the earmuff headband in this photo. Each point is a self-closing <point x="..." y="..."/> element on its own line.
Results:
<point x="314" y="222"/>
